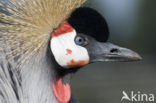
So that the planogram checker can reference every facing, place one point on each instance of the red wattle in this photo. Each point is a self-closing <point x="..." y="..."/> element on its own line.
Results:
<point x="62" y="91"/>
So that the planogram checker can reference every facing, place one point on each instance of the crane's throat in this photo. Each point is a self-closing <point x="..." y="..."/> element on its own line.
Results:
<point x="61" y="91"/>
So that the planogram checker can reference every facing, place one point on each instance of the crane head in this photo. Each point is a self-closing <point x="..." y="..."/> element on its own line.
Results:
<point x="80" y="40"/>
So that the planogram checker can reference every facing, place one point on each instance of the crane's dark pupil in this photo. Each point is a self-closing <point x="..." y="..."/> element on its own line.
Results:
<point x="80" y="40"/>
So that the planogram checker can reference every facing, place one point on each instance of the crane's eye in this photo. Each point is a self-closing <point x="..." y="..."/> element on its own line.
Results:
<point x="80" y="40"/>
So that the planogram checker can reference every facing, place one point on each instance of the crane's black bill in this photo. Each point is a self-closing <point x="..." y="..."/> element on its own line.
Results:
<point x="110" y="52"/>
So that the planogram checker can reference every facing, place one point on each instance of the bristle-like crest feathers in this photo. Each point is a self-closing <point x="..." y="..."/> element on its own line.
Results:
<point x="26" y="25"/>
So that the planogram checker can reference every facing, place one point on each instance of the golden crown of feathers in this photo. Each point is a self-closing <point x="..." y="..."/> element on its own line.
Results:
<point x="26" y="25"/>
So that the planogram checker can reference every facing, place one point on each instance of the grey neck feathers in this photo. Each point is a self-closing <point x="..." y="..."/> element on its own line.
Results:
<point x="33" y="84"/>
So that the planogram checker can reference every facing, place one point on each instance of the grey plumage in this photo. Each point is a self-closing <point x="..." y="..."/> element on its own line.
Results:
<point x="32" y="84"/>
<point x="9" y="82"/>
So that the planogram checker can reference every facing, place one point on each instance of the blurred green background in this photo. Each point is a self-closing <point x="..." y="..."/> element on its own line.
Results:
<point x="132" y="24"/>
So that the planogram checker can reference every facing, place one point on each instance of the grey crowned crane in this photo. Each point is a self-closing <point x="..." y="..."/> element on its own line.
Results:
<point x="44" y="42"/>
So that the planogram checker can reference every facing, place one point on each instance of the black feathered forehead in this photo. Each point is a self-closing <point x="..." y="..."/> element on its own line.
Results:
<point x="88" y="21"/>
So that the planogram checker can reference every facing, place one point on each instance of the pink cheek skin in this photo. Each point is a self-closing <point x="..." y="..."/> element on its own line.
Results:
<point x="63" y="29"/>
<point x="69" y="51"/>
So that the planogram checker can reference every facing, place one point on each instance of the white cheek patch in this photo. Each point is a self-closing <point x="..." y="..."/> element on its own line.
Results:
<point x="67" y="53"/>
